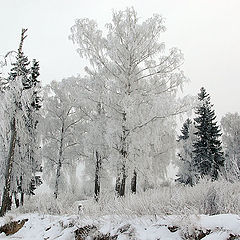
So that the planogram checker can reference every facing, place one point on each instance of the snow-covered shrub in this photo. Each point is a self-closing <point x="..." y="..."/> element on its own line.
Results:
<point x="211" y="202"/>
<point x="206" y="197"/>
<point x="47" y="204"/>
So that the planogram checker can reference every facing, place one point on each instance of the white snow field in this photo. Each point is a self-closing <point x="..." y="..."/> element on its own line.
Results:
<point x="48" y="227"/>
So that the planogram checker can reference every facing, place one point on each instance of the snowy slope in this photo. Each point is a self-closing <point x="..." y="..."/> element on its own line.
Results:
<point x="46" y="227"/>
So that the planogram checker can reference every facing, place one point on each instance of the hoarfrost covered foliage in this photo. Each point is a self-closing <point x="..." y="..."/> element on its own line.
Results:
<point x="139" y="82"/>
<point x="200" y="148"/>
<point x="231" y="143"/>
<point x="19" y="121"/>
<point x="206" y="197"/>
<point x="63" y="132"/>
<point x="186" y="172"/>
<point x="118" y="124"/>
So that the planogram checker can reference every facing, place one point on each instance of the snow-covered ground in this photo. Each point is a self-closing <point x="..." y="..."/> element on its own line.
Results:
<point x="47" y="227"/>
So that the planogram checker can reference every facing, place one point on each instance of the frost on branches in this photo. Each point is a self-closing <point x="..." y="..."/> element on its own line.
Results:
<point x="139" y="80"/>
<point x="63" y="129"/>
<point x="186" y="172"/>
<point x="231" y="143"/>
<point x="96" y="142"/>
<point x="19" y="143"/>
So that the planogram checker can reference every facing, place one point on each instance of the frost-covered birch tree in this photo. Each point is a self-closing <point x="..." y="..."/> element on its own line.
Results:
<point x="96" y="151"/>
<point x="63" y="126"/>
<point x="140" y="80"/>
<point x="231" y="143"/>
<point x="98" y="145"/>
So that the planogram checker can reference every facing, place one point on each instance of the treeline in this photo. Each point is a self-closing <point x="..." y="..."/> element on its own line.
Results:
<point x="119" y="120"/>
<point x="114" y="129"/>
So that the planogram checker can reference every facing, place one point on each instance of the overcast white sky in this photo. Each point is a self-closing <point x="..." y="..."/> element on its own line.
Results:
<point x="207" y="31"/>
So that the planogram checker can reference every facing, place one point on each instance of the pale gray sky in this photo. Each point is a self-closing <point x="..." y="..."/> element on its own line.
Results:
<point x="207" y="31"/>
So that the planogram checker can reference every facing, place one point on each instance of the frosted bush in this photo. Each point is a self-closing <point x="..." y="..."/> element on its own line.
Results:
<point x="204" y="198"/>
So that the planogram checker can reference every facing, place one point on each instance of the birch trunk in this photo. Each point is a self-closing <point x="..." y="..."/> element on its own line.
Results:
<point x="59" y="166"/>
<point x="121" y="175"/>
<point x="97" y="175"/>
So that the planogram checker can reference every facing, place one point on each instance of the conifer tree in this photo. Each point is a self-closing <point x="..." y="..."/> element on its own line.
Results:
<point x="207" y="150"/>
<point x="32" y="103"/>
<point x="31" y="84"/>
<point x="186" y="173"/>
<point x="21" y="68"/>
<point x="185" y="130"/>
<point x="20" y="102"/>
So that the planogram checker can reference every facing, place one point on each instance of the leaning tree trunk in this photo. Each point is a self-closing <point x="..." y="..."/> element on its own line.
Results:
<point x="7" y="198"/>
<point x="97" y="175"/>
<point x="7" y="195"/>
<point x="134" y="182"/>
<point x="59" y="166"/>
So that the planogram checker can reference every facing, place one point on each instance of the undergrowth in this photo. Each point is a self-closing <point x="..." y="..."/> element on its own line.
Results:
<point x="206" y="197"/>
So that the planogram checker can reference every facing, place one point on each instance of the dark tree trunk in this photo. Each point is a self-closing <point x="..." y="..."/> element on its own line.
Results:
<point x="9" y="207"/>
<point x="17" y="203"/>
<point x="59" y="166"/>
<point x="7" y="195"/>
<point x="118" y="184"/>
<point x="7" y="198"/>
<point x="134" y="182"/>
<point x="123" y="182"/>
<point x="22" y="198"/>
<point x="97" y="175"/>
<point x="123" y="186"/>
<point x="57" y="178"/>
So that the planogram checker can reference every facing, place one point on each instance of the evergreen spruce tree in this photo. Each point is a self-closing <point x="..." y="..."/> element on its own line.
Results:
<point x="32" y="116"/>
<point x="207" y="150"/>
<point x="185" y="140"/>
<point x="185" y="130"/>
<point x="36" y="99"/>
